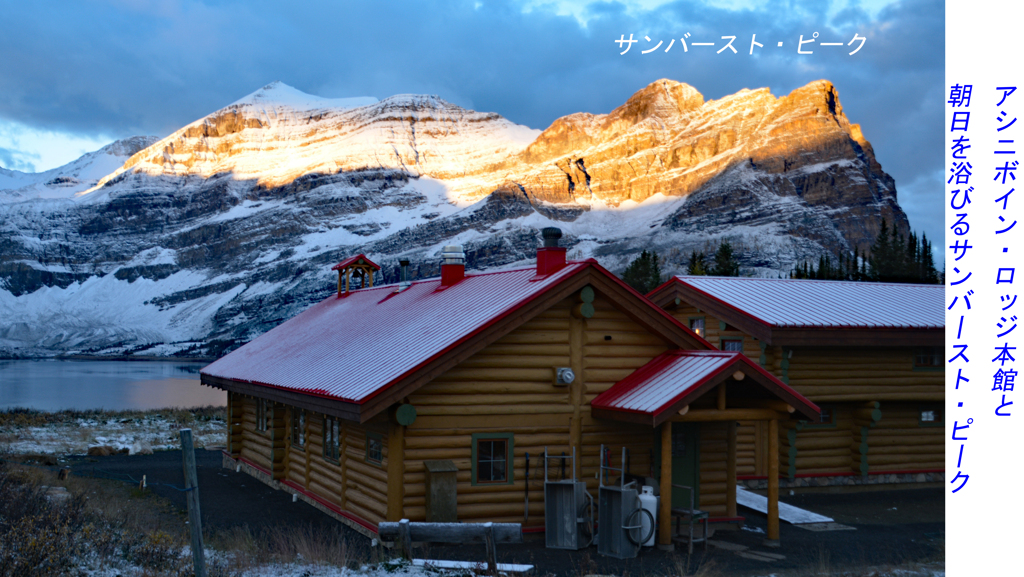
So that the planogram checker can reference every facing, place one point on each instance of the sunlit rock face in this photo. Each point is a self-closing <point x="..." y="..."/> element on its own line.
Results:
<point x="218" y="232"/>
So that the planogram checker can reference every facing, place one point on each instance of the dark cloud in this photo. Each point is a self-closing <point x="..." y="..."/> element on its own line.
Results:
<point x="125" y="68"/>
<point x="17" y="160"/>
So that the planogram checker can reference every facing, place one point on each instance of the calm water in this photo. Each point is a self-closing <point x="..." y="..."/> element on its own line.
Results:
<point x="112" y="385"/>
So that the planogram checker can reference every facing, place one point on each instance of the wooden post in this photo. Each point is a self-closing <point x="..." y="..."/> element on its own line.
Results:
<point x="406" y="538"/>
<point x="730" y="472"/>
<point x="721" y="397"/>
<point x="396" y="467"/>
<point x="773" y="483"/>
<point x="665" y="506"/>
<point x="195" y="526"/>
<point x="492" y="554"/>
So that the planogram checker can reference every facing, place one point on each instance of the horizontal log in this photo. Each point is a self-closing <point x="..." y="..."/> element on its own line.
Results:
<point x="479" y="361"/>
<point x="818" y="462"/>
<point x="697" y="415"/>
<point x="454" y="532"/>
<point x="491" y="422"/>
<point x="909" y="437"/>
<point x="532" y="375"/>
<point x="258" y="458"/>
<point x="893" y="394"/>
<point x="370" y="472"/>
<point x="526" y="349"/>
<point x="549" y="409"/>
<point x="530" y="337"/>
<point x="828" y="452"/>
<point x="936" y="449"/>
<point x="431" y="435"/>
<point x="889" y="460"/>
<point x="554" y="396"/>
<point x="593" y="337"/>
<point x="364" y="507"/>
<point x="811" y="444"/>
<point x="487" y="387"/>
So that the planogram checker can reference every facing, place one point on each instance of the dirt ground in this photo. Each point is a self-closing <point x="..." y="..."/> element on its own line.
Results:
<point x="891" y="527"/>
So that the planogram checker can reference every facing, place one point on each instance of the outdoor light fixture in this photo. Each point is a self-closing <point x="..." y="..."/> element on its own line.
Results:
<point x="564" y="376"/>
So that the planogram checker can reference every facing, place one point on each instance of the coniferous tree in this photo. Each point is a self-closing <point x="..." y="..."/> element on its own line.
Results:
<point x="725" y="262"/>
<point x="644" y="273"/>
<point x="696" y="267"/>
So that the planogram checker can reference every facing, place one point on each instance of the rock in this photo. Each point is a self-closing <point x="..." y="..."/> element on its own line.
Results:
<point x="141" y="447"/>
<point x="101" y="451"/>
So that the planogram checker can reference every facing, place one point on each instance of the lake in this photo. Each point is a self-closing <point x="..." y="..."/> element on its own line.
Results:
<point x="51" y="385"/>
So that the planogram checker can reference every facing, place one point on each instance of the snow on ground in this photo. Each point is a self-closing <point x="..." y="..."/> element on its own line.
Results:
<point x="149" y="432"/>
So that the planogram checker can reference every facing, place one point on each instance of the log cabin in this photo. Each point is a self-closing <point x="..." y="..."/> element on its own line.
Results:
<point x="351" y="403"/>
<point x="868" y="354"/>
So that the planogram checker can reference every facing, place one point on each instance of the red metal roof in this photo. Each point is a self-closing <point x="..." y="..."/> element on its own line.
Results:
<point x="674" y="375"/>
<point x="353" y="347"/>
<point x="353" y="260"/>
<point x="826" y="304"/>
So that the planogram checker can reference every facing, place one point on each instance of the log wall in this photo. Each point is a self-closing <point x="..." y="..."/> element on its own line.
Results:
<point x="900" y="442"/>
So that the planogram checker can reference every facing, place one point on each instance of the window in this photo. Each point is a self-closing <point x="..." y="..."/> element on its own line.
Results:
<point x="930" y="416"/>
<point x="492" y="459"/>
<point x="828" y="418"/>
<point x="299" y="429"/>
<point x="332" y="428"/>
<point x="735" y="345"/>
<point x="928" y="358"/>
<point x="374" y="448"/>
<point x="697" y="326"/>
<point x="262" y="422"/>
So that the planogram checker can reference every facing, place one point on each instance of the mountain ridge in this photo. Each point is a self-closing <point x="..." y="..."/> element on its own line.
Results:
<point x="227" y="226"/>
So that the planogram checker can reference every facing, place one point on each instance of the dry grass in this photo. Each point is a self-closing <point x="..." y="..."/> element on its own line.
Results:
<point x="247" y="548"/>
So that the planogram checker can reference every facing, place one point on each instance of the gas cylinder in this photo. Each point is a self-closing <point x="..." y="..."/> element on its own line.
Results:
<point x="650" y="503"/>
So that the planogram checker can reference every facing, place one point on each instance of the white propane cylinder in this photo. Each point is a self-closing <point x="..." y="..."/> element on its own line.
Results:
<point x="650" y="503"/>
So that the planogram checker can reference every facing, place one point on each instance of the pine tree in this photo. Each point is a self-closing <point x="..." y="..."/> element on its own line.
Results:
<point x="696" y="266"/>
<point x="644" y="273"/>
<point x="725" y="262"/>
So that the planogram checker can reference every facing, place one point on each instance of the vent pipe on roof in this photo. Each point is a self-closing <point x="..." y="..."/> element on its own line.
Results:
<point x="550" y="257"/>
<point x="453" y="265"/>
<point x="403" y="279"/>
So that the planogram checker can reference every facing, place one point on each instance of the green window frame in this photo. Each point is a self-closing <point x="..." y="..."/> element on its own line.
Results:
<point x="701" y="330"/>
<point x="331" y="436"/>
<point x="299" y="429"/>
<point x="493" y="459"/>
<point x="724" y="340"/>
<point x="828" y="418"/>
<point x="931" y="416"/>
<point x="374" y="449"/>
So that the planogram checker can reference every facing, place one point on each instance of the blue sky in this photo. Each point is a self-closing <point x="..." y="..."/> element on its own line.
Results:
<point x="79" y="78"/>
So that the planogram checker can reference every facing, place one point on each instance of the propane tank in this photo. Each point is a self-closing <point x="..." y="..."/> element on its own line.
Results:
<point x="650" y="503"/>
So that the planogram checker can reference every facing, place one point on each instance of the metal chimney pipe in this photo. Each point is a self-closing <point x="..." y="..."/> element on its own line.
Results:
<point x="453" y="265"/>
<point x="550" y="257"/>
<point x="403" y="279"/>
<point x="551" y="235"/>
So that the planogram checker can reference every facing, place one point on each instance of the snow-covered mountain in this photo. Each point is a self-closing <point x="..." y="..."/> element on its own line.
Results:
<point x="208" y="237"/>
<point x="73" y="177"/>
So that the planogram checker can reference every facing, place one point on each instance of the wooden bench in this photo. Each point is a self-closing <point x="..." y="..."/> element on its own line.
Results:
<point x="405" y="533"/>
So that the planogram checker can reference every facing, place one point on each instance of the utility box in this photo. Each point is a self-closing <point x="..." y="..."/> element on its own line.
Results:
<point x="442" y="504"/>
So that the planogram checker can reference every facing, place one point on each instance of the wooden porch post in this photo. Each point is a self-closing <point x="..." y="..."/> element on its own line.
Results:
<point x="396" y="468"/>
<point x="773" y="482"/>
<point x="730" y="473"/>
<point x="665" y="506"/>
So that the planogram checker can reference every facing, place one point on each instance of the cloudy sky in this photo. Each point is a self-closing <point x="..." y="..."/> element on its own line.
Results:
<point x="74" y="80"/>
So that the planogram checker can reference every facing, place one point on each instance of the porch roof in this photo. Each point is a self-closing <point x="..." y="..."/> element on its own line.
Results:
<point x="656" y="391"/>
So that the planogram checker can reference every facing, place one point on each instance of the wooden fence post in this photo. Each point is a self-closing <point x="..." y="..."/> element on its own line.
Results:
<point x="492" y="554"/>
<point x="406" y="539"/>
<point x="188" y="455"/>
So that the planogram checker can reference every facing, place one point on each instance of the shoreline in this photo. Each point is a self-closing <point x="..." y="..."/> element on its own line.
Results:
<point x="82" y="357"/>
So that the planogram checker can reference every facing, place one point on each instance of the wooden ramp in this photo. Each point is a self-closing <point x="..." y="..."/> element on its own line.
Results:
<point x="788" y="513"/>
